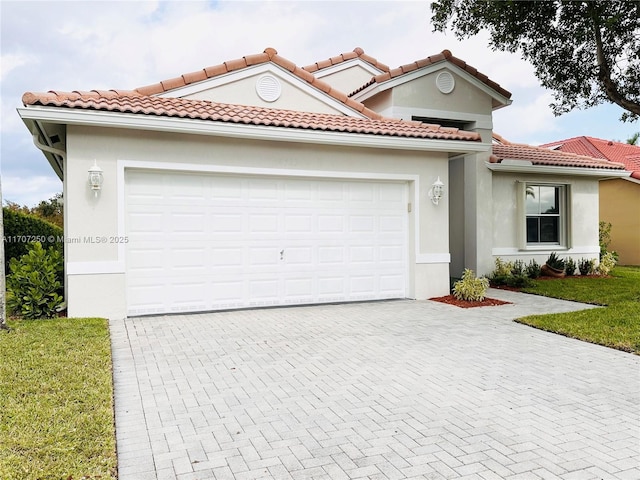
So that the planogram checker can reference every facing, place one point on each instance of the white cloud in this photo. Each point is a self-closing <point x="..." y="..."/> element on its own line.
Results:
<point x="11" y="61"/>
<point x="524" y="121"/>
<point x="30" y="191"/>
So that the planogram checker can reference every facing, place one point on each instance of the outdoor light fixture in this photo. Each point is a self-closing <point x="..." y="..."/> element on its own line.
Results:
<point x="95" y="178"/>
<point x="436" y="191"/>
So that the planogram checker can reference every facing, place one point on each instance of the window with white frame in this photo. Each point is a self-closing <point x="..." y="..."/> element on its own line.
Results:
<point x="545" y="214"/>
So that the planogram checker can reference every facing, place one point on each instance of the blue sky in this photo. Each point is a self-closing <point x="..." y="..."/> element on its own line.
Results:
<point x="69" y="45"/>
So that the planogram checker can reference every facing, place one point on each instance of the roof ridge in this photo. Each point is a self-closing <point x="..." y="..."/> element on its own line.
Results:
<point x="270" y="55"/>
<point x="445" y="55"/>
<point x="134" y="103"/>
<point x="343" y="57"/>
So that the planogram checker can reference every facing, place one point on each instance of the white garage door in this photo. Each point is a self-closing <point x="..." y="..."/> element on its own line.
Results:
<point x="202" y="242"/>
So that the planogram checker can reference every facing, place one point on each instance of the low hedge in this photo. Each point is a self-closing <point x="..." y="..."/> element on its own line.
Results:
<point x="21" y="229"/>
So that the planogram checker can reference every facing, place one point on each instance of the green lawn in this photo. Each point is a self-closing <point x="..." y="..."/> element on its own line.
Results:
<point x="56" y="397"/>
<point x="617" y="325"/>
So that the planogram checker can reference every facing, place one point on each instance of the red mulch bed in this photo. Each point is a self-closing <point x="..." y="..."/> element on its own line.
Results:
<point x="451" y="300"/>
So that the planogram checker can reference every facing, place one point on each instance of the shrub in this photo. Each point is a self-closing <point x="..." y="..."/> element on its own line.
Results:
<point x="556" y="262"/>
<point x="518" y="281"/>
<point x="512" y="274"/>
<point x="570" y="266"/>
<point x="502" y="268"/>
<point x="586" y="267"/>
<point x="34" y="285"/>
<point x="470" y="288"/>
<point x="607" y="262"/>
<point x="20" y="228"/>
<point x="502" y="272"/>
<point x="533" y="269"/>
<point x="517" y="270"/>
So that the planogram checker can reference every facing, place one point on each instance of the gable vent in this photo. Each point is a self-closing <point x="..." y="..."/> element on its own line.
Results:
<point x="445" y="82"/>
<point x="268" y="88"/>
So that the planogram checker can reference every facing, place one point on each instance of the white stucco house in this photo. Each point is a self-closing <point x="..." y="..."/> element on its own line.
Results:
<point x="256" y="182"/>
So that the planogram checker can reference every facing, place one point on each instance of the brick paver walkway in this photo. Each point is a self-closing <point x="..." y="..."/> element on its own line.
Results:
<point x="389" y="390"/>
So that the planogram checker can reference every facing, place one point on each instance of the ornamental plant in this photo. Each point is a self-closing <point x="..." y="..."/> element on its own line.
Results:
<point x="607" y="262"/>
<point x="586" y="267"/>
<point x="570" y="267"/>
<point x="533" y="269"/>
<point x="554" y="261"/>
<point x="34" y="285"/>
<point x="470" y="288"/>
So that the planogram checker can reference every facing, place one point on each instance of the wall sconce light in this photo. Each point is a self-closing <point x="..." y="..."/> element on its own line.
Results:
<point x="436" y="191"/>
<point x="95" y="178"/>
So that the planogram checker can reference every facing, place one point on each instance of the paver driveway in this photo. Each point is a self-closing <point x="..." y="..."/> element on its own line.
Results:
<point x="386" y="390"/>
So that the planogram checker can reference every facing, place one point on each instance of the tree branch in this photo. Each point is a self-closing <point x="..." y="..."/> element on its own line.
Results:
<point x="604" y="73"/>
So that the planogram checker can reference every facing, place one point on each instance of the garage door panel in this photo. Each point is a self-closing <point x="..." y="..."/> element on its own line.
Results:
<point x="360" y="285"/>
<point x="141" y="222"/>
<point x="262" y="290"/>
<point x="391" y="284"/>
<point x="226" y="257"/>
<point x="235" y="241"/>
<point x="184" y="222"/>
<point x="301" y="223"/>
<point x="221" y="223"/>
<point x="264" y="223"/>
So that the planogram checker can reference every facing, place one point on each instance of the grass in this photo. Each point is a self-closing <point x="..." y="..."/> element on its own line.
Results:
<point x="617" y="325"/>
<point x="56" y="400"/>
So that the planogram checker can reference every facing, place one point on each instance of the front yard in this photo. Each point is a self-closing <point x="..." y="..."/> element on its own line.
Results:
<point x="56" y="409"/>
<point x="616" y="326"/>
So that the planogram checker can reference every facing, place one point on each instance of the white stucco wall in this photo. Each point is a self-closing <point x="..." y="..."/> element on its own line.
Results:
<point x="243" y="92"/>
<point x="95" y="271"/>
<point x="423" y="93"/>
<point x="346" y="80"/>
<point x="582" y="220"/>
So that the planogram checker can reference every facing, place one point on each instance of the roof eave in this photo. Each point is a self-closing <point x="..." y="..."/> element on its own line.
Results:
<point x="247" y="131"/>
<point x="36" y="128"/>
<point x="600" y="173"/>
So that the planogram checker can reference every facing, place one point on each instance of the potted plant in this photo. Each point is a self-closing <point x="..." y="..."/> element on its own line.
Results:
<point x="554" y="266"/>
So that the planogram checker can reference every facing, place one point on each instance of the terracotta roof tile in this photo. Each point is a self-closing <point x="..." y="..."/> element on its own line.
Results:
<point x="284" y="63"/>
<point x="269" y="55"/>
<point x="194" y="77"/>
<point x="135" y="103"/>
<point x="236" y="64"/>
<point x="544" y="156"/>
<point x="343" y="57"/>
<point x="433" y="59"/>
<point x="172" y="83"/>
<point x="624" y="153"/>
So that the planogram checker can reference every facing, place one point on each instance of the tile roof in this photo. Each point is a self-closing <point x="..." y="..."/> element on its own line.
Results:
<point x="270" y="55"/>
<point x="343" y="57"/>
<point x="628" y="155"/>
<point x="544" y="156"/>
<point x="445" y="55"/>
<point x="136" y="103"/>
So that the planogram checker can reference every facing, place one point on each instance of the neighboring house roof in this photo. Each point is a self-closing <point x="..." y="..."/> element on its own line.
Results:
<point x="270" y="55"/>
<point x="543" y="156"/>
<point x="444" y="56"/>
<point x="343" y="57"/>
<point x="624" y="153"/>
<point x="137" y="103"/>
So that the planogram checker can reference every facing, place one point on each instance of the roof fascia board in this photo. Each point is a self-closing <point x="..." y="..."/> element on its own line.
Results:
<point x="347" y="65"/>
<point x="247" y="72"/>
<point x="429" y="69"/>
<point x="235" y="130"/>
<point x="601" y="173"/>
